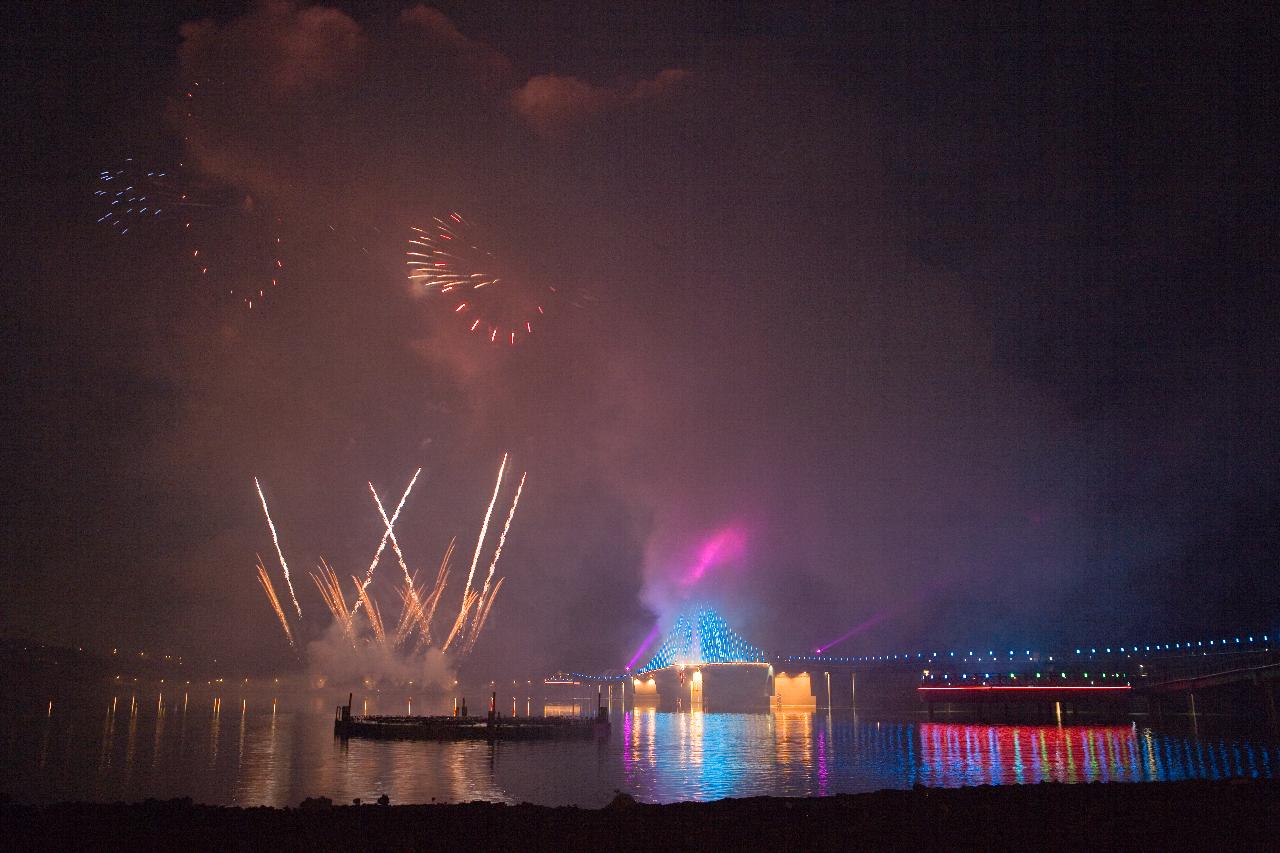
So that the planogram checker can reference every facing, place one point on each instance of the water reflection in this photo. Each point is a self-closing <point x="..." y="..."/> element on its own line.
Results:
<point x="262" y="778"/>
<point x="159" y="736"/>
<point x="132" y="742"/>
<point x="215" y="729"/>
<point x="108" y="736"/>
<point x="283" y="750"/>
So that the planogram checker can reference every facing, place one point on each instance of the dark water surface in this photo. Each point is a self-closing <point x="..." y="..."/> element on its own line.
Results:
<point x="244" y="749"/>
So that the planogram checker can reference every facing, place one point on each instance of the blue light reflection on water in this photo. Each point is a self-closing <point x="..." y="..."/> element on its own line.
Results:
<point x="254" y="750"/>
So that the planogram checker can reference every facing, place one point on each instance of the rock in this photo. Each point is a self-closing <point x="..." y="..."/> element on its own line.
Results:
<point x="621" y="801"/>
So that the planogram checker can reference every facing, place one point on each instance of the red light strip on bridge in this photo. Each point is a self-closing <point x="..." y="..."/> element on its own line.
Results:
<point x="1030" y="687"/>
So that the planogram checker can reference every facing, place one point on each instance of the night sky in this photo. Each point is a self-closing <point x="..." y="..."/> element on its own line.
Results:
<point x="961" y="320"/>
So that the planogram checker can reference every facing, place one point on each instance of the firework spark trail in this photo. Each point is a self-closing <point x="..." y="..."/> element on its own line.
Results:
<point x="411" y="611"/>
<point x="368" y="578"/>
<point x="276" y="540"/>
<point x="468" y="601"/>
<point x="135" y="195"/>
<point x="331" y="591"/>
<point x="432" y="600"/>
<point x="265" y="580"/>
<point x="484" y="528"/>
<point x="412" y="603"/>
<point x="410" y="614"/>
<point x="448" y="257"/>
<point x="483" y="616"/>
<point x="390" y="534"/>
<point x="371" y="612"/>
<point x="497" y="553"/>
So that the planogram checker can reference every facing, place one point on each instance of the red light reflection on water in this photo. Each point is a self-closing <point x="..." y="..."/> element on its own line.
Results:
<point x="953" y="755"/>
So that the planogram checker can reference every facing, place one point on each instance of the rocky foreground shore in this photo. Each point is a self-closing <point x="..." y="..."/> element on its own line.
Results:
<point x="1234" y="815"/>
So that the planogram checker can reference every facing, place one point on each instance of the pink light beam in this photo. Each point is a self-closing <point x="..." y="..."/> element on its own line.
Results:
<point x="727" y="544"/>
<point x="644" y="644"/>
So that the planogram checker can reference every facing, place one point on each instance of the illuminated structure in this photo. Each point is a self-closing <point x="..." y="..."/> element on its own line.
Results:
<point x="706" y="638"/>
<point x="679" y="674"/>
<point x="702" y="662"/>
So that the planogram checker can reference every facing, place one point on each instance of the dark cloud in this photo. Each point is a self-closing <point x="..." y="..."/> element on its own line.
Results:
<point x="434" y="35"/>
<point x="289" y="49"/>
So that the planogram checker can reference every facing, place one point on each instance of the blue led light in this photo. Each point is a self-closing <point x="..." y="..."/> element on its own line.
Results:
<point x="715" y="642"/>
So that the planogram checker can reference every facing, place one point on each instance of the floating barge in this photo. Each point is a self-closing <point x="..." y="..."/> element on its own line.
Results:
<point x="492" y="727"/>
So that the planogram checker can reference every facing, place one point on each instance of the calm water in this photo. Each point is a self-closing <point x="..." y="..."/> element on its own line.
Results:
<point x="258" y="750"/>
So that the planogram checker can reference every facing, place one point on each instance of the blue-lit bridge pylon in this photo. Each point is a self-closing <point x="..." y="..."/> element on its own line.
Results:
<point x="705" y="638"/>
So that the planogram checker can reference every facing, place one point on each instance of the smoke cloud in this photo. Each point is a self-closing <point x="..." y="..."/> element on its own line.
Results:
<point x="332" y="660"/>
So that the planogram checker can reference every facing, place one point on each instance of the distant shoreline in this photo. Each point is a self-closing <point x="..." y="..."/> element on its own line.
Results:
<point x="1236" y="814"/>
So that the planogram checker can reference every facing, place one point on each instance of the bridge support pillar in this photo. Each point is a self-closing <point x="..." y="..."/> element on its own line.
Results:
<point x="1269" y="695"/>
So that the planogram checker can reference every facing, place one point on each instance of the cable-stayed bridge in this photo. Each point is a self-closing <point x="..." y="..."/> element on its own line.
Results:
<point x="702" y="661"/>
